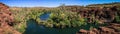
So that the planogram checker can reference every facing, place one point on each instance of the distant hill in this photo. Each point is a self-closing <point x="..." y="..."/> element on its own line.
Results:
<point x="104" y="4"/>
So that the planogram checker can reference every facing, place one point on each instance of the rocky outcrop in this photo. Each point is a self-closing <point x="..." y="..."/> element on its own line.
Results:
<point x="110" y="29"/>
<point x="102" y="14"/>
<point x="6" y="20"/>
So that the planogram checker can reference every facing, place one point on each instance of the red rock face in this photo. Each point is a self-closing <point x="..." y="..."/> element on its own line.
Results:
<point x="5" y="14"/>
<point x="105" y="15"/>
<point x="6" y="20"/>
<point x="102" y="14"/>
<point x="111" y="29"/>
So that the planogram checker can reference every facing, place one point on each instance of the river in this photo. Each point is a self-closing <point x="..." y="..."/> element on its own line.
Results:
<point x="34" y="28"/>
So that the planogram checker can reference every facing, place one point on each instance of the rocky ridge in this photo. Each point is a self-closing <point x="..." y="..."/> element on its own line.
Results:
<point x="6" y="20"/>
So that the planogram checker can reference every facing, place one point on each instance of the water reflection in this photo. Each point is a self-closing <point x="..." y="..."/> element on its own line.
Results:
<point x="45" y="16"/>
<point x="34" y="28"/>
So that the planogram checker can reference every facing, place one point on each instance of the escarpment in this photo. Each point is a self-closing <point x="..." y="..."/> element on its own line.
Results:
<point x="6" y="20"/>
<point x="103" y="15"/>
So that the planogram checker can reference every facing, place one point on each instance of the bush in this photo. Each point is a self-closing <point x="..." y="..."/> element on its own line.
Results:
<point x="117" y="18"/>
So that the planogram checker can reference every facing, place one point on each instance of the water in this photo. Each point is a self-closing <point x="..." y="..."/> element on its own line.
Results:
<point x="34" y="28"/>
<point x="45" y="16"/>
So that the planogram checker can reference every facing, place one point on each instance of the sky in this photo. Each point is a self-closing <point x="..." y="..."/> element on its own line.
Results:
<point x="52" y="3"/>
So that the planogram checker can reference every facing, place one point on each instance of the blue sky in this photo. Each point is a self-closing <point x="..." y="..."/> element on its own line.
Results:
<point x="52" y="3"/>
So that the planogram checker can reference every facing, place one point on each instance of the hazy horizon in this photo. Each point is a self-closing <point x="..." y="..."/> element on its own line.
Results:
<point x="53" y="3"/>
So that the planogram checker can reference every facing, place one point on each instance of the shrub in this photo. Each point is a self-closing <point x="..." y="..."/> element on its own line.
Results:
<point x="117" y="18"/>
